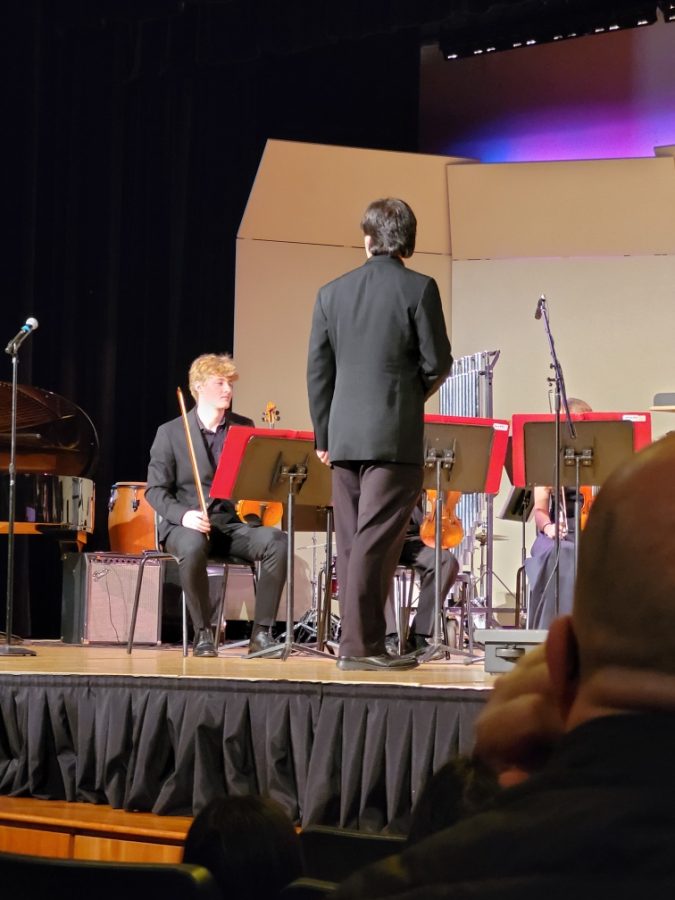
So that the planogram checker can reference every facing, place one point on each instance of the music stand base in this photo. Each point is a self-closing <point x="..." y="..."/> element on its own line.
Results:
<point x="286" y="650"/>
<point x="434" y="650"/>
<point x="13" y="650"/>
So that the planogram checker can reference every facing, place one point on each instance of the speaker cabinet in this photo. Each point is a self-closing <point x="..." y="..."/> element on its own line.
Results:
<point x="98" y="596"/>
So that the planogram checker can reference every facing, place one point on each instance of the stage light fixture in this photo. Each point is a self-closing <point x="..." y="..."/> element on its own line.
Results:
<point x="528" y="24"/>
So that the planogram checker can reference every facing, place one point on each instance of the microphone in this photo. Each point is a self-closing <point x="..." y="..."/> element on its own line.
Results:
<point x="22" y="334"/>
<point x="540" y="306"/>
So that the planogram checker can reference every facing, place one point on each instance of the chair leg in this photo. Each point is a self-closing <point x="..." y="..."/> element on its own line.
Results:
<point x="185" y="627"/>
<point x="220" y="630"/>
<point x="137" y="600"/>
<point x="444" y="626"/>
<point x="254" y="575"/>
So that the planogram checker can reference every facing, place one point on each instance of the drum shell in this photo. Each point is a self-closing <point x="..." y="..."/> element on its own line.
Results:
<point x="131" y="519"/>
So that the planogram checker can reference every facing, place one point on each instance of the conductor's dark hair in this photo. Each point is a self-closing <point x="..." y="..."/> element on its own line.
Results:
<point x="249" y="845"/>
<point x="392" y="227"/>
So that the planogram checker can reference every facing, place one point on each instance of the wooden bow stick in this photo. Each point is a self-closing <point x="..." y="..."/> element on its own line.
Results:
<point x="191" y="451"/>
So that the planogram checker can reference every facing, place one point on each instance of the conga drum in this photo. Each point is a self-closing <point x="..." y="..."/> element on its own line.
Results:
<point x="131" y="519"/>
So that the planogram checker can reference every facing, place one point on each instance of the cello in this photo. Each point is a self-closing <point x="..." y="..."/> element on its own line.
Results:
<point x="452" y="530"/>
<point x="588" y="494"/>
<point x="262" y="512"/>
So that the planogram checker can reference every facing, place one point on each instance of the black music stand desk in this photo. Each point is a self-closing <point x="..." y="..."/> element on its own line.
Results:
<point x="281" y="465"/>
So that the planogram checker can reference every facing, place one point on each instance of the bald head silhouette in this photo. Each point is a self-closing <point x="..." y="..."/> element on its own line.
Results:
<point x="624" y="606"/>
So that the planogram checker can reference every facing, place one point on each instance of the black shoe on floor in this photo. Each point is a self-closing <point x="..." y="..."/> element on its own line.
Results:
<point x="391" y="645"/>
<point x="419" y="644"/>
<point x="261" y="639"/>
<point x="204" y="645"/>
<point x="376" y="663"/>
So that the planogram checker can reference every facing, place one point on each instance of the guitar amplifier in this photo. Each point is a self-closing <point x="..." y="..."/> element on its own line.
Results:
<point x="98" y="597"/>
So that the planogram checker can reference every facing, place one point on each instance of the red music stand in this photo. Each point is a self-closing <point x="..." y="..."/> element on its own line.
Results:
<point x="462" y="454"/>
<point x="604" y="440"/>
<point x="274" y="464"/>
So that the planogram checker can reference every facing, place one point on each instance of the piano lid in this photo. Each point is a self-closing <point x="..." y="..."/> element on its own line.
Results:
<point x="54" y="436"/>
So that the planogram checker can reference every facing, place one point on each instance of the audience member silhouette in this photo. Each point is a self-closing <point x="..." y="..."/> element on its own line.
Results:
<point x="581" y="734"/>
<point x="249" y="845"/>
<point x="458" y="789"/>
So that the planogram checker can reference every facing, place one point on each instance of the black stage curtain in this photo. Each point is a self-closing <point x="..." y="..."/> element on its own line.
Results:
<point x="132" y="134"/>
<point x="353" y="756"/>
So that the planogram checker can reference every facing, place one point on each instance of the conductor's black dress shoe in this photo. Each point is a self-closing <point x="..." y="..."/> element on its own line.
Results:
<point x="382" y="662"/>
<point x="204" y="645"/>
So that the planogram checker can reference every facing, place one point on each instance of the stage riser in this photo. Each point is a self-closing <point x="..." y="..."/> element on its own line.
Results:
<point x="349" y="755"/>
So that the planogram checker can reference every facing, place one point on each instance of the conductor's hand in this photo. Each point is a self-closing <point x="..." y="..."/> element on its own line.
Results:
<point x="195" y="518"/>
<point x="323" y="456"/>
<point x="521" y="721"/>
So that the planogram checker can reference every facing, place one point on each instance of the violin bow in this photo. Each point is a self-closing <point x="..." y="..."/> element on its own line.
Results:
<point x="191" y="451"/>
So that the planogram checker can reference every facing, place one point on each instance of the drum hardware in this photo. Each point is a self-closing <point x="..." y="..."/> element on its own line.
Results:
<point x="481" y="537"/>
<point x="306" y="629"/>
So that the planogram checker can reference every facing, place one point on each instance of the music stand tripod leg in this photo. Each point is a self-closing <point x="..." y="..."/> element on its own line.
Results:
<point x="294" y="481"/>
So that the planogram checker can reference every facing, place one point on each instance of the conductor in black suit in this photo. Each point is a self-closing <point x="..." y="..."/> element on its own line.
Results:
<point x="378" y="349"/>
<point x="193" y="537"/>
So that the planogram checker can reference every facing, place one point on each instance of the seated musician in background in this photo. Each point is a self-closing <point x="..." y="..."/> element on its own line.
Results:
<point x="540" y="567"/>
<point x="183" y="529"/>
<point x="416" y="554"/>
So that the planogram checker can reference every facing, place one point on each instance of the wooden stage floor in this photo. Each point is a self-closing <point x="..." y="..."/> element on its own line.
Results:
<point x="56" y="658"/>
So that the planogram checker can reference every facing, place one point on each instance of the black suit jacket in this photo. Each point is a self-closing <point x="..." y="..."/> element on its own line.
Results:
<point x="171" y="490"/>
<point x="378" y="348"/>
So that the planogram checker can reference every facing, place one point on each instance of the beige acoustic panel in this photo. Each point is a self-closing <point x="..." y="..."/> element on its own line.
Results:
<point x="617" y="207"/>
<point x="612" y="321"/>
<point x="316" y="194"/>
<point x="276" y="289"/>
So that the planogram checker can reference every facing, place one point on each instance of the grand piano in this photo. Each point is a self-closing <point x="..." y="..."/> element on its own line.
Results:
<point x="56" y="453"/>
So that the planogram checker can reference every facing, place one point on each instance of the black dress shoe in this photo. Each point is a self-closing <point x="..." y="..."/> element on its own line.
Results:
<point x="375" y="663"/>
<point x="391" y="645"/>
<point x="261" y="639"/>
<point x="419" y="644"/>
<point x="204" y="645"/>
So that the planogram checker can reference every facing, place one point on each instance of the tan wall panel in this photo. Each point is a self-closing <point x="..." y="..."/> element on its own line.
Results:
<point x="612" y="321"/>
<point x="276" y="289"/>
<point x="590" y="208"/>
<point x="315" y="194"/>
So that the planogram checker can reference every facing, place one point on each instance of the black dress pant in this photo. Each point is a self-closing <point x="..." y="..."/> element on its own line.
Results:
<point x="416" y="554"/>
<point x="229" y="538"/>
<point x="372" y="502"/>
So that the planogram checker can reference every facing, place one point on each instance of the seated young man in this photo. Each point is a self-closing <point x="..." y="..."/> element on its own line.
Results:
<point x="190" y="535"/>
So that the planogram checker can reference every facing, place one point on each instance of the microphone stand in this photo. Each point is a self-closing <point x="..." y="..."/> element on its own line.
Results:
<point x="8" y="649"/>
<point x="560" y="398"/>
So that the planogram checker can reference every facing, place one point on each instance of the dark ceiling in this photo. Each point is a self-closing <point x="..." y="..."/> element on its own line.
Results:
<point x="237" y="30"/>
